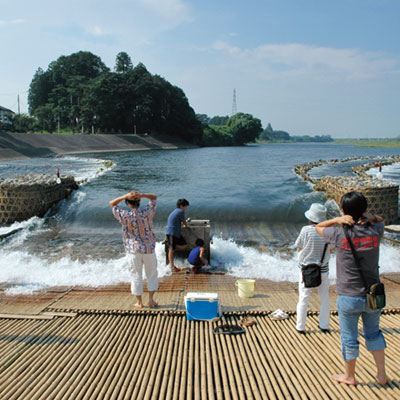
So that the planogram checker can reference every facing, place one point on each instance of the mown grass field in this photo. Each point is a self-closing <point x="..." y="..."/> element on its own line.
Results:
<point x="370" y="142"/>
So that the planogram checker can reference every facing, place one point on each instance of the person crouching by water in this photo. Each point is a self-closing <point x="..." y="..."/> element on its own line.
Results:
<point x="174" y="231"/>
<point x="197" y="257"/>
<point x="365" y="233"/>
<point x="139" y="242"/>
<point x="311" y="247"/>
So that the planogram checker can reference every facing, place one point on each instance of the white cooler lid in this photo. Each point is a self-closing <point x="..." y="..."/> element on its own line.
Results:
<point x="201" y="296"/>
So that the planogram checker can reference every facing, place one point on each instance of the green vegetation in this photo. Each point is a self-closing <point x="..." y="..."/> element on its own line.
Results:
<point x="390" y="143"/>
<point x="80" y="94"/>
<point x="234" y="131"/>
<point x="269" y="135"/>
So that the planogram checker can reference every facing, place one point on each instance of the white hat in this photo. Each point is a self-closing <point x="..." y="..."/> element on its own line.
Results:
<point x="316" y="213"/>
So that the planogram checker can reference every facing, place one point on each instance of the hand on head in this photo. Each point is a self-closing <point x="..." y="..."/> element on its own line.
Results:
<point x="346" y="220"/>
<point x="133" y="195"/>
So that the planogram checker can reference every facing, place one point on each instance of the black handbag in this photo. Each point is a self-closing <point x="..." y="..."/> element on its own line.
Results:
<point x="311" y="273"/>
<point x="376" y="297"/>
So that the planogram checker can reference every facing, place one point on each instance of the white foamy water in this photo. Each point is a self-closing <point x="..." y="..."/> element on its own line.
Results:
<point x="81" y="168"/>
<point x="390" y="172"/>
<point x="86" y="169"/>
<point x="28" y="274"/>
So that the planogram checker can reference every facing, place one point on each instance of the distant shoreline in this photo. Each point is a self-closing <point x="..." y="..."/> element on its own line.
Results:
<point x="14" y="146"/>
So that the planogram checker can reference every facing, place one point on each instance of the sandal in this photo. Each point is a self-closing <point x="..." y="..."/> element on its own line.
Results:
<point x="247" y="321"/>
<point x="228" y="330"/>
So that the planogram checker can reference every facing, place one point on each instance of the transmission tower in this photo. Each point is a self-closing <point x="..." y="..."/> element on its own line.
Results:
<point x="234" y="109"/>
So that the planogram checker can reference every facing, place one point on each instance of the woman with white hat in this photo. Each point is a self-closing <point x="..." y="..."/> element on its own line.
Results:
<point x="313" y="250"/>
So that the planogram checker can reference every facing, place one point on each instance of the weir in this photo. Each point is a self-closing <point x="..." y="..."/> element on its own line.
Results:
<point x="382" y="195"/>
<point x="27" y="196"/>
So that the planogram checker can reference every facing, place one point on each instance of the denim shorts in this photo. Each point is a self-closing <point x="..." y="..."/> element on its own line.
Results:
<point x="350" y="309"/>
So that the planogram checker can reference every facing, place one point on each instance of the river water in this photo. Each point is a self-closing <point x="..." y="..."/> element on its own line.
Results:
<point x="252" y="196"/>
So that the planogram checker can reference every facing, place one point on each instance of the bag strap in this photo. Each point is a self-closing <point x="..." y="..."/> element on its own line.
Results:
<point x="345" y="229"/>
<point x="323" y="254"/>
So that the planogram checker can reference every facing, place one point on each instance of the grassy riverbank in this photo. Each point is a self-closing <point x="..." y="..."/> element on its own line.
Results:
<point x="387" y="143"/>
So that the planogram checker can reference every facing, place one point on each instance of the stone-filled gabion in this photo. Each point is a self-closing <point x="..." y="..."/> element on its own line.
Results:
<point x="31" y="195"/>
<point x="382" y="195"/>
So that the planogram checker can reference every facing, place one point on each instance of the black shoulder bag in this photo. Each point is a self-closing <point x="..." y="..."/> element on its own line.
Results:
<point x="311" y="273"/>
<point x="376" y="298"/>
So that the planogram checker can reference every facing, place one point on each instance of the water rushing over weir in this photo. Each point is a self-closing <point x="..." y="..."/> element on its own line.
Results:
<point x="251" y="194"/>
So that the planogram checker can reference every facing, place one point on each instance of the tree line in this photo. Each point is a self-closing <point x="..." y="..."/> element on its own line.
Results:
<point x="271" y="135"/>
<point x="236" y="130"/>
<point x="80" y="93"/>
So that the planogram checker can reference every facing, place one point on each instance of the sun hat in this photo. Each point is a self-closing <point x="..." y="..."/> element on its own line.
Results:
<point x="316" y="213"/>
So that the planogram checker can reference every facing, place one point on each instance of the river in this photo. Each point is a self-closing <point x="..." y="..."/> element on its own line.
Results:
<point x="252" y="196"/>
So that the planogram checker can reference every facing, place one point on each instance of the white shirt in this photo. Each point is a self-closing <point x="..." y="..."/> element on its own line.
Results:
<point x="312" y="246"/>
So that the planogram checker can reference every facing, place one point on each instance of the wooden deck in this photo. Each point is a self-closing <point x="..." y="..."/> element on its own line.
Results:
<point x="82" y="343"/>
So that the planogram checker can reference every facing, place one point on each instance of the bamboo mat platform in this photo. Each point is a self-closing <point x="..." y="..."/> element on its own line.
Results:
<point x="90" y="343"/>
<point x="148" y="355"/>
<point x="268" y="296"/>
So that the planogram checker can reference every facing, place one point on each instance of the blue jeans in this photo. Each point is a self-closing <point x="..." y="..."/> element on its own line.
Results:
<point x="350" y="309"/>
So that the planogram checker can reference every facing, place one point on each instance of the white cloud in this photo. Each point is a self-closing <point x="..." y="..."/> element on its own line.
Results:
<point x="11" y="21"/>
<point x="293" y="60"/>
<point x="173" y="12"/>
<point x="96" y="31"/>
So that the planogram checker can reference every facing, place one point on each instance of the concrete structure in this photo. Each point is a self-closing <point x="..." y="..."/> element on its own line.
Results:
<point x="32" y="195"/>
<point x="24" y="145"/>
<point x="197" y="229"/>
<point x="5" y="115"/>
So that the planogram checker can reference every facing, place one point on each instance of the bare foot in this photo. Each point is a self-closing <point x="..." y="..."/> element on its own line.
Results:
<point x="175" y="269"/>
<point x="153" y="304"/>
<point x="138" y="305"/>
<point x="343" y="379"/>
<point x="382" y="380"/>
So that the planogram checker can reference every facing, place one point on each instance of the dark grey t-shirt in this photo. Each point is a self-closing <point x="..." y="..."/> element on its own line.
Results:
<point x="366" y="240"/>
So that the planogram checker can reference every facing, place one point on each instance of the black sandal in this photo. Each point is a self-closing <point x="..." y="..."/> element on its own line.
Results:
<point x="228" y="330"/>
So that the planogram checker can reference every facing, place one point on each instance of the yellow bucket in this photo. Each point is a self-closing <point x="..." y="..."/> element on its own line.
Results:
<point x="245" y="287"/>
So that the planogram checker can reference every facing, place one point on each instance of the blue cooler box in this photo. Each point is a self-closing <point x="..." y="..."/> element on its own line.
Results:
<point x="201" y="306"/>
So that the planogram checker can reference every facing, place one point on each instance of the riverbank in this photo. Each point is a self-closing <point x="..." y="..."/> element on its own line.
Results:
<point x="23" y="145"/>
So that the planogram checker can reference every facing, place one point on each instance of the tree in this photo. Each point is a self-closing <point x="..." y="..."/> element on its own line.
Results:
<point x="218" y="120"/>
<point x="123" y="63"/>
<point x="39" y="90"/>
<point x="23" y="123"/>
<point x="46" y="118"/>
<point x="80" y="92"/>
<point x="244" y="128"/>
<point x="269" y="128"/>
<point x="203" y="118"/>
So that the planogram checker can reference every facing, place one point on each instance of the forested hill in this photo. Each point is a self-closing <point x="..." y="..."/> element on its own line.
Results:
<point x="79" y="92"/>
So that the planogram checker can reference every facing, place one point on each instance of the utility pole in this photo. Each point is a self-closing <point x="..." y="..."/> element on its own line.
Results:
<point x="19" y="111"/>
<point x="234" y="109"/>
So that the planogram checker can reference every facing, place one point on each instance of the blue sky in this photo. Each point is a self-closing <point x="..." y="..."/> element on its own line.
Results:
<point x="305" y="66"/>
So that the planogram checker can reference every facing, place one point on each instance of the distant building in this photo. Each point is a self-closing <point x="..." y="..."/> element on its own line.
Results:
<point x="5" y="115"/>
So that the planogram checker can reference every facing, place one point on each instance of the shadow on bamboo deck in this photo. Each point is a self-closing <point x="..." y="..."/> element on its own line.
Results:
<point x="82" y="343"/>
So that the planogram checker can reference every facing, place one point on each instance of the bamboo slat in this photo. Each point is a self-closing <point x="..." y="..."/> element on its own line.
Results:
<point x="164" y="356"/>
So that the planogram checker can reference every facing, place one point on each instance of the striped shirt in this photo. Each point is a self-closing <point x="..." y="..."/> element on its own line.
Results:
<point x="137" y="228"/>
<point x="312" y="246"/>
